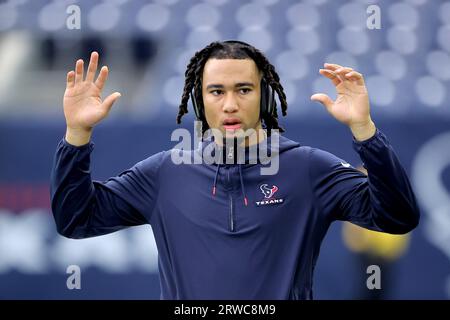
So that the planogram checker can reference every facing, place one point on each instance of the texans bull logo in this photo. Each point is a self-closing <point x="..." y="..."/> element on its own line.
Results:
<point x="268" y="192"/>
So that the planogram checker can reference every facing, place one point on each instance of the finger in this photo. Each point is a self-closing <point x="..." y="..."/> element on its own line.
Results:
<point x="323" y="99"/>
<point x="342" y="71"/>
<point x="332" y="66"/>
<point x="70" y="79"/>
<point x="355" y="76"/>
<point x="79" y="71"/>
<point x="92" y="69"/>
<point x="330" y="75"/>
<point x="109" y="101"/>
<point x="101" y="79"/>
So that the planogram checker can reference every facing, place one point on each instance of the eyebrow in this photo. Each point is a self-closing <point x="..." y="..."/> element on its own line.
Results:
<point x="237" y="85"/>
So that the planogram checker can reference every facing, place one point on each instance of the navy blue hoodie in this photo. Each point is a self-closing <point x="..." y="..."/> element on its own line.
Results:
<point x="226" y="231"/>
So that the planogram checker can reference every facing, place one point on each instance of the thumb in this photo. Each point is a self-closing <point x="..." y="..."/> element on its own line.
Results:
<point x="323" y="99"/>
<point x="109" y="100"/>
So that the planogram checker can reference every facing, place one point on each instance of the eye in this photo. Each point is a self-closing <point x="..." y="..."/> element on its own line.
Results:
<point x="216" y="92"/>
<point x="245" y="90"/>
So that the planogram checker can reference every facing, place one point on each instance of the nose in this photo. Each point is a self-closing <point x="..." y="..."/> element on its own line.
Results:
<point x="230" y="103"/>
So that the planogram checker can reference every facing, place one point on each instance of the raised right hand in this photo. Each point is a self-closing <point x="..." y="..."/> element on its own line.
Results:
<point x="83" y="105"/>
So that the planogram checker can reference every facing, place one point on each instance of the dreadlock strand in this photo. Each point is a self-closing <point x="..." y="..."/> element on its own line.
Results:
<point x="189" y="76"/>
<point x="273" y="78"/>
<point x="192" y="76"/>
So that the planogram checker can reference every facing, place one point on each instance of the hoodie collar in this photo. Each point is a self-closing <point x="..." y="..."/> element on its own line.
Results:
<point x="243" y="156"/>
<point x="232" y="154"/>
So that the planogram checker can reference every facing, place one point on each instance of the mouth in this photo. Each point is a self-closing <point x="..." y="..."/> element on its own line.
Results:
<point x="232" y="124"/>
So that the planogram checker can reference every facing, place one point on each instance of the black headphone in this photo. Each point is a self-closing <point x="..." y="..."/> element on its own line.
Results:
<point x="267" y="105"/>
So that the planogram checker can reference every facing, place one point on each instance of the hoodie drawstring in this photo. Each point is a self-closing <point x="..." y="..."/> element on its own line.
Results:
<point x="215" y="180"/>
<point x="241" y="179"/>
<point x="242" y="185"/>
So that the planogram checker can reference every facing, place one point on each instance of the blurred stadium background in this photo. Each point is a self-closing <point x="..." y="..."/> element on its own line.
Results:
<point x="146" y="45"/>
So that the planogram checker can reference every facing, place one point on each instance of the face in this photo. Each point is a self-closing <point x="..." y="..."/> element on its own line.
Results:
<point x="231" y="95"/>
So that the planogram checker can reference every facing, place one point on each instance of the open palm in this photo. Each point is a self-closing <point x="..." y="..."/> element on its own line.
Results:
<point x="351" y="106"/>
<point x="83" y="105"/>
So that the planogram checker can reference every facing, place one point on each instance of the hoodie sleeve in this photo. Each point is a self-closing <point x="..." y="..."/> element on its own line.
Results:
<point x="84" y="208"/>
<point x="382" y="201"/>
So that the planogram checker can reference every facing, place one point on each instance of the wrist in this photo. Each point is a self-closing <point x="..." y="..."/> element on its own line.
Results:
<point x="365" y="131"/>
<point x="78" y="137"/>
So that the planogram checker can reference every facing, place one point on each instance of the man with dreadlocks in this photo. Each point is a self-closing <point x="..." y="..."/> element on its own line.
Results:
<point x="232" y="233"/>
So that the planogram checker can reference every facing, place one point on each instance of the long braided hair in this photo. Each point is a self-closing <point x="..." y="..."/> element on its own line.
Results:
<point x="230" y="50"/>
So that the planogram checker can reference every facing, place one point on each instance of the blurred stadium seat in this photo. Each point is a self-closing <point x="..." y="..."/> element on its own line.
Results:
<point x="410" y="53"/>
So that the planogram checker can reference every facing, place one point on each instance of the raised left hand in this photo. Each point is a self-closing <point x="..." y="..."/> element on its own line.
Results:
<point x="351" y="106"/>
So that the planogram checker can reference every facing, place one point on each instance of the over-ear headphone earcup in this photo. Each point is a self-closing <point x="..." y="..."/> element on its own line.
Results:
<point x="197" y="109"/>
<point x="272" y="103"/>
<point x="264" y="99"/>
<point x="268" y="102"/>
